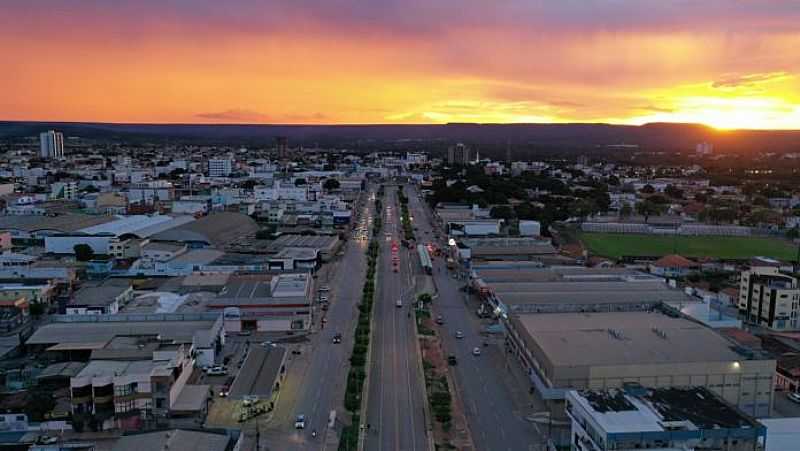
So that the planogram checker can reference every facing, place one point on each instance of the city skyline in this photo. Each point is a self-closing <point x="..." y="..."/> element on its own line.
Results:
<point x="727" y="64"/>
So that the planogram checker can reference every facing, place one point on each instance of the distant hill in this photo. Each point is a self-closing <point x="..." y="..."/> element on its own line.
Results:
<point x="656" y="136"/>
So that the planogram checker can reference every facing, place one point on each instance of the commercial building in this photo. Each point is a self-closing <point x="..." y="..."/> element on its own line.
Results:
<point x="220" y="167"/>
<point x="51" y="145"/>
<point x="105" y="297"/>
<point x="265" y="302"/>
<point x="477" y="249"/>
<point x="325" y="245"/>
<point x="294" y="258"/>
<point x="123" y="394"/>
<point x="102" y="238"/>
<point x="215" y="230"/>
<point x="665" y="419"/>
<point x="769" y="298"/>
<point x="525" y="287"/>
<point x="597" y="351"/>
<point x="475" y="227"/>
<point x="458" y="154"/>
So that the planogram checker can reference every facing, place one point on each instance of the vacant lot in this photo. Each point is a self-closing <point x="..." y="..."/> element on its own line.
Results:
<point x="614" y="245"/>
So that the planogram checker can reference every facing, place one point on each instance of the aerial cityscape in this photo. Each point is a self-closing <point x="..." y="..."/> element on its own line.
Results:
<point x="406" y="226"/>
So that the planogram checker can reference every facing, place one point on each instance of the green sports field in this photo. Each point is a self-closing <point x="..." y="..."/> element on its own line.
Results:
<point x="616" y="245"/>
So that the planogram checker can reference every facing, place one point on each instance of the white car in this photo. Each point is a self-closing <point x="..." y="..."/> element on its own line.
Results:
<point x="323" y="299"/>
<point x="399" y="303"/>
<point x="476" y="351"/>
<point x="217" y="371"/>
<point x="324" y="288"/>
<point x="794" y="396"/>
<point x="459" y="334"/>
<point x="300" y="422"/>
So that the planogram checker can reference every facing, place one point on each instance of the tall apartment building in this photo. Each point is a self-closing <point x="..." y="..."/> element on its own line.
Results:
<point x="769" y="298"/>
<point x="282" y="147"/>
<point x="220" y="167"/>
<point x="51" y="145"/>
<point x="458" y="154"/>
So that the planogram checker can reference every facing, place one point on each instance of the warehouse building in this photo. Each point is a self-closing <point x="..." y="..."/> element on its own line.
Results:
<point x="597" y="351"/>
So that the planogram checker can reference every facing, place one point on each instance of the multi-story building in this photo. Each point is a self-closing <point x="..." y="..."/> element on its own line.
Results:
<point x="51" y="145"/>
<point x="458" y="154"/>
<point x="220" y="167"/>
<point x="124" y="393"/>
<point x="768" y="297"/>
<point x="665" y="419"/>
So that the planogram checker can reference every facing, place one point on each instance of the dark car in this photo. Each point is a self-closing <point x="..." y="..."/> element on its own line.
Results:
<point x="337" y="338"/>
<point x="452" y="360"/>
<point x="440" y="320"/>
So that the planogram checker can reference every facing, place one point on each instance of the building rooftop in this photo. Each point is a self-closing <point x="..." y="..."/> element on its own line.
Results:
<point x="622" y="338"/>
<point x="142" y="226"/>
<point x="260" y="370"/>
<point x="174" y="440"/>
<point x="93" y="333"/>
<point x="660" y="410"/>
<point x="100" y="368"/>
<point x="218" y="230"/>
<point x="65" y="223"/>
<point x="163" y="247"/>
<point x="100" y="294"/>
<point x="508" y="246"/>
<point x="315" y="241"/>
<point x="674" y="261"/>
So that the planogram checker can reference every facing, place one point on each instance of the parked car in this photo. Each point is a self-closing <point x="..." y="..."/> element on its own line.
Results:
<point x="476" y="351"/>
<point x="300" y="422"/>
<point x="245" y="333"/>
<point x="224" y="391"/>
<point x="440" y="320"/>
<point x="323" y="299"/>
<point x="399" y="303"/>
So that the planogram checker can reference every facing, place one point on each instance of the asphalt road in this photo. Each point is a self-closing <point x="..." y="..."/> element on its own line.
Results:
<point x="316" y="380"/>
<point x="395" y="410"/>
<point x="495" y="411"/>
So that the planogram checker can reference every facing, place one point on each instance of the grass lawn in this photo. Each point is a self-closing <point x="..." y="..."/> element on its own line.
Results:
<point x="616" y="245"/>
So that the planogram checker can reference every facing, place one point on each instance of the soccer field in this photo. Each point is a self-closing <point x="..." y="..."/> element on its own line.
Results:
<point x="616" y="245"/>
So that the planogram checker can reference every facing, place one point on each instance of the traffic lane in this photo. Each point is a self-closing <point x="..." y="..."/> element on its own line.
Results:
<point x="319" y="388"/>
<point x="490" y="408"/>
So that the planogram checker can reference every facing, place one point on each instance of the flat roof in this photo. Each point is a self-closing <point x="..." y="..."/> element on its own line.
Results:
<point x="259" y="372"/>
<point x="315" y="241"/>
<point x="98" y="368"/>
<point x="100" y="294"/>
<point x="198" y="257"/>
<point x="192" y="398"/>
<point x="173" y="440"/>
<point x="103" y="332"/>
<point x="782" y="433"/>
<point x="623" y="338"/>
<point x="654" y="409"/>
<point x="589" y="293"/>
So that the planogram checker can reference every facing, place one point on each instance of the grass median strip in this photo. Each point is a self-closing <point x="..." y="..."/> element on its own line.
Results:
<point x="358" y="357"/>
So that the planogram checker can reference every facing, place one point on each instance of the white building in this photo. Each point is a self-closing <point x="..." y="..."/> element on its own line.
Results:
<point x="281" y="191"/>
<point x="220" y="167"/>
<point x="704" y="148"/>
<point x="51" y="145"/>
<point x="665" y="419"/>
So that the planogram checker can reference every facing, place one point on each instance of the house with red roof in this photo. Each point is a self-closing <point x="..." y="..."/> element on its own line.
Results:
<point x="673" y="266"/>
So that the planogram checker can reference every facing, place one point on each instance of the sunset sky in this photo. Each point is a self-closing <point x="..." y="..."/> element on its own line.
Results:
<point x="725" y="63"/>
